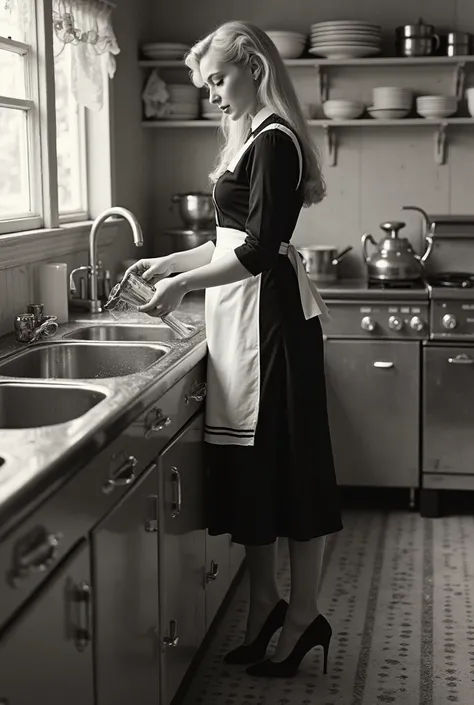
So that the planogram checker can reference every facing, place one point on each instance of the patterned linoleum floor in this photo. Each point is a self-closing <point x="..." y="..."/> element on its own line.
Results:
<point x="398" y="591"/>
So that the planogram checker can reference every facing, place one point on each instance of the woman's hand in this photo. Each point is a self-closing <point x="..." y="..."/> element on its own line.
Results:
<point x="154" y="269"/>
<point x="167" y="297"/>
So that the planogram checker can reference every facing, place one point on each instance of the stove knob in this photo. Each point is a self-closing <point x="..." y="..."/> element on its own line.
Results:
<point x="367" y="323"/>
<point x="395" y="323"/>
<point x="416" y="324"/>
<point x="449" y="321"/>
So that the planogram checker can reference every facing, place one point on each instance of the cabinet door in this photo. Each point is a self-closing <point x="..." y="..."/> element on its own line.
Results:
<point x="217" y="575"/>
<point x="373" y="401"/>
<point x="125" y="576"/>
<point x="46" y="654"/>
<point x="181" y="555"/>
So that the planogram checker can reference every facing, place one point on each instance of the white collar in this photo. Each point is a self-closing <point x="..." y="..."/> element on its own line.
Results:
<point x="260" y="117"/>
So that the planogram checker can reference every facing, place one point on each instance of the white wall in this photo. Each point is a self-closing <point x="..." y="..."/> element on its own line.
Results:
<point x="379" y="169"/>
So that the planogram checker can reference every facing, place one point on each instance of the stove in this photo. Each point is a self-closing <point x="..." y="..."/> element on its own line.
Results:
<point x="452" y="306"/>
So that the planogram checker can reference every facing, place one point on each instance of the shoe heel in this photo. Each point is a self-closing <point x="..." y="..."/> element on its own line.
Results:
<point x="326" y="651"/>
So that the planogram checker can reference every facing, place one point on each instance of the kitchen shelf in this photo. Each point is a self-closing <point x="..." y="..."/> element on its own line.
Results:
<point x="331" y="126"/>
<point x="311" y="62"/>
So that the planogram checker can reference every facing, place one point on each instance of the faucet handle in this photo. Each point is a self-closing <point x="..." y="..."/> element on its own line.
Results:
<point x="72" y="283"/>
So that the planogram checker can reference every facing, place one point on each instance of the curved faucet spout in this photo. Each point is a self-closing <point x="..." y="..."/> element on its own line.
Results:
<point x="95" y="229"/>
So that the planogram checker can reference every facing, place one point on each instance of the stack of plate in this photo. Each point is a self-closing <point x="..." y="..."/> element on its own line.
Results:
<point x="210" y="111"/>
<point x="390" y="103"/>
<point x="345" y="39"/>
<point x="436" y="106"/>
<point x="290" y="45"/>
<point x="183" y="102"/>
<point x="164" y="50"/>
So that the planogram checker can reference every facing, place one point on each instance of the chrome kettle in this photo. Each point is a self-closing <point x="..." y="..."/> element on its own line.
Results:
<point x="394" y="258"/>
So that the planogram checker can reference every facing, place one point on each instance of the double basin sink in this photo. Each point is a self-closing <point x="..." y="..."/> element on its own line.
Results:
<point x="96" y="351"/>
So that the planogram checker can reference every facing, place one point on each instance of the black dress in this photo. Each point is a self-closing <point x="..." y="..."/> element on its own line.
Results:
<point x="282" y="481"/>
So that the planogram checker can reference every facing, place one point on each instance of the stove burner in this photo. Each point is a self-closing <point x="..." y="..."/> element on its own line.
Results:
<point x="418" y="284"/>
<point x="456" y="280"/>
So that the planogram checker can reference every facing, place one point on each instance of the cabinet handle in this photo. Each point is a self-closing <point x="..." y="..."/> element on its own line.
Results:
<point x="34" y="554"/>
<point x="83" y="630"/>
<point x="173" y="638"/>
<point x="159" y="423"/>
<point x="176" y="504"/>
<point x="125" y="475"/>
<point x="214" y="572"/>
<point x="198" y="393"/>
<point x="383" y="365"/>
<point x="461" y="360"/>
<point x="151" y="523"/>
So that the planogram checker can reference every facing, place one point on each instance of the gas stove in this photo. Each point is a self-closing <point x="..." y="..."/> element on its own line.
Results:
<point x="451" y="311"/>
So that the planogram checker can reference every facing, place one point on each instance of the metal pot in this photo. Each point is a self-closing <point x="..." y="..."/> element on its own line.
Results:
<point x="195" y="208"/>
<point x="394" y="258"/>
<point x="321" y="261"/>
<point x="416" y="39"/>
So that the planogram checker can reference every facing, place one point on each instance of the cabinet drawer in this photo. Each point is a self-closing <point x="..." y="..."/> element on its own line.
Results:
<point x="32" y="550"/>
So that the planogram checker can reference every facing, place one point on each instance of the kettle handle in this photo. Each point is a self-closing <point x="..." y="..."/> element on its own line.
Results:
<point x="426" y="254"/>
<point x="365" y="238"/>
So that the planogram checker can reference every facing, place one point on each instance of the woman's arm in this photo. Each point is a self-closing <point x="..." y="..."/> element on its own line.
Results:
<point x="192" y="259"/>
<point x="225" y="270"/>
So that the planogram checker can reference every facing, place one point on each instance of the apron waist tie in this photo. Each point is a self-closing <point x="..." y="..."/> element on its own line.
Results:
<point x="311" y="299"/>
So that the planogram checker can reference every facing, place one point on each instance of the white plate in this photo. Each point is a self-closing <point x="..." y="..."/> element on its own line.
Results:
<point x="346" y="30"/>
<point x="346" y="23"/>
<point x="179" y="117"/>
<point x="387" y="113"/>
<point x="352" y="43"/>
<point x="348" y="52"/>
<point x="165" y="45"/>
<point x="164" y="55"/>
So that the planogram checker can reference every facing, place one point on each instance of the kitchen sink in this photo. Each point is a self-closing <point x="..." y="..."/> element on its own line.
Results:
<point x="120" y="332"/>
<point x="90" y="360"/>
<point x="32" y="406"/>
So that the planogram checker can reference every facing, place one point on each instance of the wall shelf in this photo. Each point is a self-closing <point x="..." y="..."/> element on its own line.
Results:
<point x="311" y="62"/>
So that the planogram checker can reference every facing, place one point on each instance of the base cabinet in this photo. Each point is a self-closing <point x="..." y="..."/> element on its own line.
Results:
<point x="181" y="550"/>
<point x="46" y="656"/>
<point x="373" y="392"/>
<point x="217" y="574"/>
<point x="125" y="576"/>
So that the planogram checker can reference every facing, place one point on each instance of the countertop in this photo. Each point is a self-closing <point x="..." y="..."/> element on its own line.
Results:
<point x="38" y="460"/>
<point x="360" y="290"/>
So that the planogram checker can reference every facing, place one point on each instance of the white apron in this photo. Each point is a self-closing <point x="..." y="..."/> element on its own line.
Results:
<point x="232" y="332"/>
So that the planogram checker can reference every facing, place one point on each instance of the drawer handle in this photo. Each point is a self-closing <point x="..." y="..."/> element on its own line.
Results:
<point x="176" y="504"/>
<point x="83" y="632"/>
<point x="34" y="557"/>
<point x="173" y="638"/>
<point x="214" y="572"/>
<point x="383" y="365"/>
<point x="159" y="424"/>
<point x="198" y="393"/>
<point x="125" y="475"/>
<point x="461" y="360"/>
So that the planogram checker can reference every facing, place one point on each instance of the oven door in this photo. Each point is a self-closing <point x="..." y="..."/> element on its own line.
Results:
<point x="448" y="409"/>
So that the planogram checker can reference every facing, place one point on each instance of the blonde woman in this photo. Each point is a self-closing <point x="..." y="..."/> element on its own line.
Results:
<point x="270" y="463"/>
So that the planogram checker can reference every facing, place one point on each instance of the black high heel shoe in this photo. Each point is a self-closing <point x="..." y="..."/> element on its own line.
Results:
<point x="317" y="634"/>
<point x="249" y="653"/>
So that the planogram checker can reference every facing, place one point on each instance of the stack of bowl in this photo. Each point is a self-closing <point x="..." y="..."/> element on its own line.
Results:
<point x="436" y="106"/>
<point x="343" y="109"/>
<point x="183" y="103"/>
<point x="290" y="45"/>
<point x="470" y="101"/>
<point x="390" y="103"/>
<point x="159" y="51"/>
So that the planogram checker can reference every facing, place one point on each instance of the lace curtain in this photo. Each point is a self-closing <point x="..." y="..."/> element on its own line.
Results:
<point x="83" y="29"/>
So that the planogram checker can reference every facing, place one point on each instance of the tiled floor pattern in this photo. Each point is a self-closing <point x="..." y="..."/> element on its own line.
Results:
<point x="398" y="591"/>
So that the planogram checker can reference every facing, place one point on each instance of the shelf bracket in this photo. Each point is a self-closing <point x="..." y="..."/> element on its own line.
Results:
<point x="440" y="144"/>
<point x="323" y="82"/>
<point x="331" y="145"/>
<point x="459" y="78"/>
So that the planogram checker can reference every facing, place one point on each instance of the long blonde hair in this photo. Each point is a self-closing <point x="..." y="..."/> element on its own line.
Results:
<point x="240" y="43"/>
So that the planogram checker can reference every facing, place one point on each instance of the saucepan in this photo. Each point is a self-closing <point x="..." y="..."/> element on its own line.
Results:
<point x="321" y="261"/>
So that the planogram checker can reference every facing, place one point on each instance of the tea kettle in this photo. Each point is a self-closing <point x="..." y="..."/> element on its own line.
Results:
<point x="394" y="259"/>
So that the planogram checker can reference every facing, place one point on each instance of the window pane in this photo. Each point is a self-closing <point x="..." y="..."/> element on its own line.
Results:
<point x="15" y="18"/>
<point x="14" y="191"/>
<point x="69" y="135"/>
<point x="12" y="75"/>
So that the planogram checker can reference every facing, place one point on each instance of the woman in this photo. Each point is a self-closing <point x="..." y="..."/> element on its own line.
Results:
<point x="270" y="464"/>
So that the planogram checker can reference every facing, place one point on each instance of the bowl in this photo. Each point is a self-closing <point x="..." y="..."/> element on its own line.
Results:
<point x="290" y="45"/>
<point x="387" y="113"/>
<point x="343" y="109"/>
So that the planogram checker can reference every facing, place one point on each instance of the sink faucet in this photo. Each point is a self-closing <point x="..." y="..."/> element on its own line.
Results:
<point x="90" y="300"/>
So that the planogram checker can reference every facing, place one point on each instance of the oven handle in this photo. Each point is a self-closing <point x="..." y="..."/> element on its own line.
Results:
<point x="461" y="360"/>
<point x="383" y="365"/>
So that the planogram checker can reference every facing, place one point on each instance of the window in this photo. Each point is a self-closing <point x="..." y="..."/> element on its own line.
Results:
<point x="20" y="192"/>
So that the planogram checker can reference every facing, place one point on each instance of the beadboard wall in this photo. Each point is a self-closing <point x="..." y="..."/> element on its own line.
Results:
<point x="379" y="168"/>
